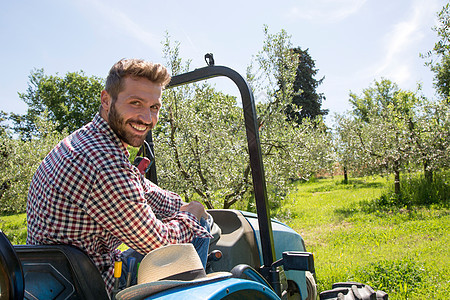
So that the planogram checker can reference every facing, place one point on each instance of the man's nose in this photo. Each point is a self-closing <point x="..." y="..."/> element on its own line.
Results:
<point x="146" y="116"/>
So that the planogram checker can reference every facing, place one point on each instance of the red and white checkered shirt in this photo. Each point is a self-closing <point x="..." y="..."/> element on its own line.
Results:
<point x="87" y="194"/>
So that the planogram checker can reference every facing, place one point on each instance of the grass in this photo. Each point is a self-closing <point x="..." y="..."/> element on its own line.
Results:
<point x="15" y="228"/>
<point x="401" y="251"/>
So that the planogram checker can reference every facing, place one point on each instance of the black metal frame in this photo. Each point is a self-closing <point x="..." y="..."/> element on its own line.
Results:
<point x="256" y="162"/>
<point x="12" y="282"/>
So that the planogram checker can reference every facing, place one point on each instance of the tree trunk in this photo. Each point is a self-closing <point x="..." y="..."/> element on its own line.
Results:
<point x="396" y="178"/>
<point x="427" y="173"/>
<point x="345" y="175"/>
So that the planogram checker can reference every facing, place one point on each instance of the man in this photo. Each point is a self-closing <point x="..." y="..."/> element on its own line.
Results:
<point x="87" y="194"/>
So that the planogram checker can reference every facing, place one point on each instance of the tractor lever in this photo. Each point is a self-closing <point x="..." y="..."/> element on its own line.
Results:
<point x="215" y="255"/>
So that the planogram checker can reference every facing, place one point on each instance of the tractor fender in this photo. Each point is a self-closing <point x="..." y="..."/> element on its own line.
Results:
<point x="227" y="289"/>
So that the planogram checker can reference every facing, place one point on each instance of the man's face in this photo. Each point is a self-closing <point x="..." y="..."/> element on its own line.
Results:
<point x="135" y="111"/>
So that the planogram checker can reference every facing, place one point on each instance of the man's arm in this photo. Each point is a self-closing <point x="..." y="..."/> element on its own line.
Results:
<point x="120" y="206"/>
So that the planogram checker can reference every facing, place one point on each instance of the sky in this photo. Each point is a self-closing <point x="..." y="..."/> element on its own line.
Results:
<point x="353" y="42"/>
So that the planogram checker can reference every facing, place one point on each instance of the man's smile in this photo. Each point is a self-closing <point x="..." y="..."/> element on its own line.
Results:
<point x="139" y="127"/>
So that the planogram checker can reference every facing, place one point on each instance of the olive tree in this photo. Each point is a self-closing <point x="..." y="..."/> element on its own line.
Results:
<point x="19" y="160"/>
<point x="429" y="131"/>
<point x="438" y="59"/>
<point x="4" y="128"/>
<point x="200" y="142"/>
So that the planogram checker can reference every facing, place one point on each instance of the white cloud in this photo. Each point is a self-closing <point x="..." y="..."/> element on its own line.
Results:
<point x="403" y="44"/>
<point x="116" y="18"/>
<point x="325" y="11"/>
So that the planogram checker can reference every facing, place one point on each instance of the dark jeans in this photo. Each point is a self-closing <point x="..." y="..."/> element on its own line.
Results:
<point x="200" y="244"/>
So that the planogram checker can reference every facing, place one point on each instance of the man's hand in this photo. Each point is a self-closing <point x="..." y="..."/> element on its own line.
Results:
<point x="195" y="208"/>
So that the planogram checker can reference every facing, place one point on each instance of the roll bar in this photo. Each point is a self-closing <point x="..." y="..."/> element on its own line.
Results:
<point x="254" y="147"/>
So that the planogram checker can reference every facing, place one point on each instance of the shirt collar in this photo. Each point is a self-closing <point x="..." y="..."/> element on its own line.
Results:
<point x="104" y="128"/>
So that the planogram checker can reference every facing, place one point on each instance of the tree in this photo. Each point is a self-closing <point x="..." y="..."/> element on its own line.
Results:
<point x="201" y="138"/>
<point x="199" y="141"/>
<point x="441" y="52"/>
<point x="273" y="80"/>
<point x="20" y="159"/>
<point x="306" y="102"/>
<point x="377" y="129"/>
<point x="429" y="130"/>
<point x="71" y="101"/>
<point x="347" y="147"/>
<point x="4" y="128"/>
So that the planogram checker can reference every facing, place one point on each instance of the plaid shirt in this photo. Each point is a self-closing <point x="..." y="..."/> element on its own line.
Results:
<point x="87" y="194"/>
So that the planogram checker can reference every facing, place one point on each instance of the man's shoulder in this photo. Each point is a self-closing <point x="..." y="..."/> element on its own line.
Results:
<point x="92" y="147"/>
<point x="89" y="141"/>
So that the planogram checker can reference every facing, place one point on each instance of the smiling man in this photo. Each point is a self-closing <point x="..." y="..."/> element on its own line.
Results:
<point x="132" y="113"/>
<point x="86" y="193"/>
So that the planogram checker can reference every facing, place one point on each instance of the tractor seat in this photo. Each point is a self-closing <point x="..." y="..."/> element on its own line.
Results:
<point x="11" y="274"/>
<point x="59" y="272"/>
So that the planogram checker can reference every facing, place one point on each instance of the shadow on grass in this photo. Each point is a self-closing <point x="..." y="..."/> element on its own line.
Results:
<point x="352" y="184"/>
<point x="380" y="208"/>
<point x="417" y="193"/>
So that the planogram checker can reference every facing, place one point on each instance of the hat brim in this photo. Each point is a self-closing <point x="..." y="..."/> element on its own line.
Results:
<point x="142" y="290"/>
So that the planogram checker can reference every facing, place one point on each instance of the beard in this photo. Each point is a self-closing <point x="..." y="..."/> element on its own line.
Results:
<point x="119" y="126"/>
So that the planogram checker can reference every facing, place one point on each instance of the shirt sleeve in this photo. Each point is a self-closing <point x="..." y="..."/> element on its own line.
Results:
<point x="163" y="203"/>
<point x="126" y="208"/>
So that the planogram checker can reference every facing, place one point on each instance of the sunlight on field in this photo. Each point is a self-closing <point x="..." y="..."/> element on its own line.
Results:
<point x="15" y="227"/>
<point x="403" y="252"/>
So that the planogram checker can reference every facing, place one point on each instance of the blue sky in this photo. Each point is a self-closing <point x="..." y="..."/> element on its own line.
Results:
<point x="353" y="42"/>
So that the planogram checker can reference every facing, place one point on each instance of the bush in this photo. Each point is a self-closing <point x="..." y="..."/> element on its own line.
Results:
<point x="415" y="191"/>
<point x="419" y="191"/>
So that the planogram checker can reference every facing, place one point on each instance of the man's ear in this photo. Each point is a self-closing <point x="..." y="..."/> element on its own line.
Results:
<point x="106" y="100"/>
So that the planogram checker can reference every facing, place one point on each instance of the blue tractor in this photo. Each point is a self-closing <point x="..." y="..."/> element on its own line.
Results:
<point x="267" y="259"/>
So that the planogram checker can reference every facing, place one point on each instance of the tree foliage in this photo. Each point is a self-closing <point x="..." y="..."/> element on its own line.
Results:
<point x="71" y="101"/>
<point x="306" y="102"/>
<point x="201" y="145"/>
<point x="429" y="131"/>
<point x="4" y="128"/>
<point x="272" y="72"/>
<point x="439" y="56"/>
<point x="395" y="130"/>
<point x="19" y="160"/>
<point x="290" y="151"/>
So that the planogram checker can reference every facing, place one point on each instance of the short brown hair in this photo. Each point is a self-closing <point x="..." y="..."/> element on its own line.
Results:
<point x="137" y="68"/>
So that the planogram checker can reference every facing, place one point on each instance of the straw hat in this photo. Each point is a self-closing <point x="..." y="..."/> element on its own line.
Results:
<point x="167" y="267"/>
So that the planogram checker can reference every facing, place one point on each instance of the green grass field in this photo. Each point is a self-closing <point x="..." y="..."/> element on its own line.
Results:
<point x="403" y="251"/>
